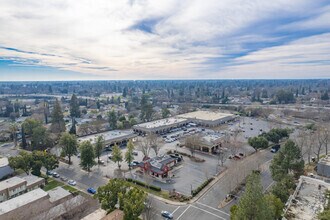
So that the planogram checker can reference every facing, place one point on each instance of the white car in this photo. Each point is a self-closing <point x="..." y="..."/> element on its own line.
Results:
<point x="72" y="182"/>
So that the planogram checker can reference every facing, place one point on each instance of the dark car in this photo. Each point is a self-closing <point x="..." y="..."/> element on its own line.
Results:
<point x="91" y="190"/>
<point x="49" y="173"/>
<point x="275" y="148"/>
<point x="108" y="148"/>
<point x="167" y="214"/>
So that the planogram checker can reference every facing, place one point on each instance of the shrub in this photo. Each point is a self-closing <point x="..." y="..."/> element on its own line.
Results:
<point x="140" y="183"/>
<point x="201" y="187"/>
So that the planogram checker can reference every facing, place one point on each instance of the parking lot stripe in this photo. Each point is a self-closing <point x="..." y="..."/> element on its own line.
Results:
<point x="208" y="212"/>
<point x="175" y="210"/>
<point x="213" y="208"/>
<point x="183" y="212"/>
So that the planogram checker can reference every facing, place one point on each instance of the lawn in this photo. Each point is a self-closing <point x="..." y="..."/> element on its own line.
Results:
<point x="52" y="184"/>
<point x="70" y="188"/>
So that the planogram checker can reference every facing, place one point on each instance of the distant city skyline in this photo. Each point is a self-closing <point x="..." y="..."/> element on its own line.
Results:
<point x="165" y="39"/>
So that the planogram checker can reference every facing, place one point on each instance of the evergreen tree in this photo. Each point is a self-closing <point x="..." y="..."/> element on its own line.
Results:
<point x="24" y="144"/>
<point x="288" y="160"/>
<point x="129" y="157"/>
<point x="74" y="107"/>
<point x="87" y="155"/>
<point x="98" y="147"/>
<point x="133" y="201"/>
<point x="112" y="118"/>
<point x="73" y="129"/>
<point x="58" y="124"/>
<point x="252" y="204"/>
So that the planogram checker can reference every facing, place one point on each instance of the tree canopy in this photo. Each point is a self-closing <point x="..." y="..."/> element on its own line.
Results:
<point x="258" y="142"/>
<point x="58" y="124"/>
<point x="74" y="106"/>
<point x="98" y="147"/>
<point x="117" y="155"/>
<point x="87" y="155"/>
<point x="69" y="145"/>
<point x="287" y="160"/>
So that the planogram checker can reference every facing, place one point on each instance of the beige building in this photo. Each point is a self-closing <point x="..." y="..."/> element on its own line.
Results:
<point x="16" y="186"/>
<point x="201" y="118"/>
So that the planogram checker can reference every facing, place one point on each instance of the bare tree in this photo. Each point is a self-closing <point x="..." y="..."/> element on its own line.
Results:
<point x="319" y="140"/>
<point x="150" y="211"/>
<point x="302" y="139"/>
<point x="193" y="143"/>
<point x="153" y="141"/>
<point x="310" y="145"/>
<point x="144" y="147"/>
<point x="222" y="157"/>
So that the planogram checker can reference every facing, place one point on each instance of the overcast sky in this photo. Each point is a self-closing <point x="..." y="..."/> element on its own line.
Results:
<point x="164" y="39"/>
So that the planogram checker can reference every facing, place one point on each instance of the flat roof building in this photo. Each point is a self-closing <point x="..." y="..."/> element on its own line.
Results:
<point x="308" y="200"/>
<point x="202" y="118"/>
<point x="16" y="208"/>
<point x="160" y="126"/>
<point x="208" y="118"/>
<point x="18" y="185"/>
<point x="111" y="137"/>
<point x="323" y="166"/>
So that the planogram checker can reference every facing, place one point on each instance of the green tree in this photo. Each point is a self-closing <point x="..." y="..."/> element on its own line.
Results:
<point x="287" y="160"/>
<point x="275" y="204"/>
<point x="117" y="155"/>
<point x="283" y="188"/>
<point x="98" y="147"/>
<point x="108" y="194"/>
<point x="87" y="155"/>
<point x="29" y="124"/>
<point x="129" y="157"/>
<point x="74" y="106"/>
<point x="69" y="145"/>
<point x="258" y="143"/>
<point x="58" y="124"/>
<point x="40" y="138"/>
<point x="112" y="119"/>
<point x="22" y="161"/>
<point x="50" y="162"/>
<point x="165" y="112"/>
<point x="133" y="202"/>
<point x="252" y="204"/>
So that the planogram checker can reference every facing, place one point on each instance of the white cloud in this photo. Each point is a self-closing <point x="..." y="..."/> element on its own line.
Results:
<point x="96" y="37"/>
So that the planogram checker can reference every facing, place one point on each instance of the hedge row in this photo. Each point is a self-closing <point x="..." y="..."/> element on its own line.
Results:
<point x="140" y="183"/>
<point x="196" y="191"/>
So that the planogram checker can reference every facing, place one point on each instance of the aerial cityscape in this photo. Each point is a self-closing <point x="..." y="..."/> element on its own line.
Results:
<point x="152" y="110"/>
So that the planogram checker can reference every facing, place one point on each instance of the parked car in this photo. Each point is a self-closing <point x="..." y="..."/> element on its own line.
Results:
<point x="63" y="178"/>
<point x="72" y="182"/>
<point x="275" y="148"/>
<point x="49" y="173"/>
<point x="110" y="156"/>
<point x="167" y="214"/>
<point x="135" y="153"/>
<point x="56" y="175"/>
<point x="133" y="164"/>
<point x="91" y="190"/>
<point x="101" y="161"/>
<point x="108" y="148"/>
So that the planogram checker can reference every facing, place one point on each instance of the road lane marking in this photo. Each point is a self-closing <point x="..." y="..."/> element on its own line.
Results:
<point x="269" y="186"/>
<point x="213" y="208"/>
<point x="184" y="212"/>
<point x="208" y="212"/>
<point x="175" y="210"/>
